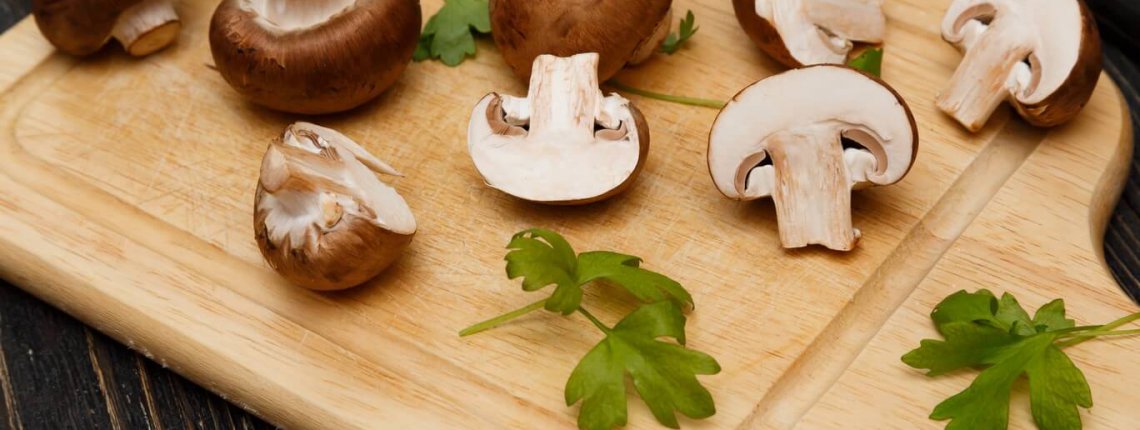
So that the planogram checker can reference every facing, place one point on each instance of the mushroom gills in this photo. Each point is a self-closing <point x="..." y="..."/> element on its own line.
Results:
<point x="292" y="15"/>
<point x="563" y="143"/>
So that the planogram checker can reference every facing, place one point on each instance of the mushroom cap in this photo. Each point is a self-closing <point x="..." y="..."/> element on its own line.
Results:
<point x="320" y="56"/>
<point x="838" y="99"/>
<point x="806" y="32"/>
<point x="321" y="217"/>
<point x="1064" y="61"/>
<point x="592" y="149"/>
<point x="525" y="29"/>
<point x="79" y="27"/>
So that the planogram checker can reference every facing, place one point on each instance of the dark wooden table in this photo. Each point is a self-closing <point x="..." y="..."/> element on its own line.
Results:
<point x="56" y="373"/>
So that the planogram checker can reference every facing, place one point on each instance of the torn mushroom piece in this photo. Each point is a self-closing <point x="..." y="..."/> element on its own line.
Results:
<point x="1042" y="56"/>
<point x="620" y="31"/>
<point x="564" y="143"/>
<point x="806" y="32"/>
<point x="313" y="56"/>
<point x="82" y="27"/>
<point x="806" y="138"/>
<point x="321" y="217"/>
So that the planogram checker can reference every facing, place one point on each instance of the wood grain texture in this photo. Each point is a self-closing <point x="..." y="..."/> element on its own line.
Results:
<point x="126" y="203"/>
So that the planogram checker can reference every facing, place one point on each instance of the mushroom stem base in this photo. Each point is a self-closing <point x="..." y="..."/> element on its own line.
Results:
<point x="147" y="27"/>
<point x="812" y="192"/>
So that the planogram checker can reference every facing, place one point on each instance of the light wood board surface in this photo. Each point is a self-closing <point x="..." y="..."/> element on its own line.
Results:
<point x="126" y="191"/>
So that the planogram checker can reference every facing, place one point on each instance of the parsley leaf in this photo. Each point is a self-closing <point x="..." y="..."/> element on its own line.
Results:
<point x="870" y="61"/>
<point x="448" y="34"/>
<point x="542" y="258"/>
<point x="980" y="330"/>
<point x="674" y="41"/>
<point x="663" y="373"/>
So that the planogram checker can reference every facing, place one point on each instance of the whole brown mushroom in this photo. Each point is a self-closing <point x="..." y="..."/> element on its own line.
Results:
<point x="313" y="56"/>
<point x="82" y="27"/>
<point x="621" y="31"/>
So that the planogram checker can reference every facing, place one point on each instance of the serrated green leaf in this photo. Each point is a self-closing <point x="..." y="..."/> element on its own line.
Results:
<point x="664" y="374"/>
<point x="625" y="271"/>
<point x="543" y="258"/>
<point x="448" y="35"/>
<point x="966" y="307"/>
<point x="1051" y="317"/>
<point x="1012" y="316"/>
<point x="674" y="41"/>
<point x="870" y="61"/>
<point x="984" y="405"/>
<point x="1056" y="388"/>
<point x="967" y="344"/>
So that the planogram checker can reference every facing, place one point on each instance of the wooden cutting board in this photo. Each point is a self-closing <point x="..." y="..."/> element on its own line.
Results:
<point x="126" y="190"/>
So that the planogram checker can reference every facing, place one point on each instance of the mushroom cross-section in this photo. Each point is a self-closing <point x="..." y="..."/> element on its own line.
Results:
<point x="620" y="31"/>
<point x="321" y="217"/>
<point x="1042" y="56"/>
<point x="806" y="32"/>
<point x="564" y="143"/>
<point x="313" y="56"/>
<point x="806" y="138"/>
<point x="81" y="27"/>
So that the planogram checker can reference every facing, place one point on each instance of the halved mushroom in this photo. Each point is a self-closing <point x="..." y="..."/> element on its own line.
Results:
<point x="806" y="32"/>
<point x="313" y="56"/>
<point x="321" y="217"/>
<point x="806" y="138"/>
<point x="564" y="143"/>
<point x="1042" y="56"/>
<point x="81" y="27"/>
<point x="620" y="31"/>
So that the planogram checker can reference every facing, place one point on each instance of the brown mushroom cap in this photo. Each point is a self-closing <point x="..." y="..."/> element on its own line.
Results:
<point x="320" y="57"/>
<point x="82" y="27"/>
<point x="321" y="217"/>
<point x="1043" y="57"/>
<point x="563" y="144"/>
<point x="806" y="32"/>
<point x="525" y="29"/>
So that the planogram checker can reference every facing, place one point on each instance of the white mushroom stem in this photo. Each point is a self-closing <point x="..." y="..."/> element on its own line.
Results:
<point x="650" y="45"/>
<point x="990" y="70"/>
<point x="813" y="206"/>
<point x="147" y="27"/>
<point x="563" y="100"/>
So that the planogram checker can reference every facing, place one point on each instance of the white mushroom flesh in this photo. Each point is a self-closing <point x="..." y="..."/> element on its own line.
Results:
<point x="567" y="141"/>
<point x="1013" y="48"/>
<point x="822" y="31"/>
<point x="314" y="178"/>
<point x="291" y="15"/>
<point x="783" y="138"/>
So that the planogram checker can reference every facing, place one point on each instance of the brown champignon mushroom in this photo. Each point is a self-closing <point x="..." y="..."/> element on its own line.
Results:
<point x="82" y="27"/>
<point x="321" y="217"/>
<point x="564" y="143"/>
<point x="620" y="31"/>
<point x="313" y="56"/>
<point x="1044" y="57"/>
<point x="806" y="138"/>
<point x="806" y="32"/>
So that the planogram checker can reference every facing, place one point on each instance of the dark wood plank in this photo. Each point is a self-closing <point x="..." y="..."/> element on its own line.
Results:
<point x="55" y="373"/>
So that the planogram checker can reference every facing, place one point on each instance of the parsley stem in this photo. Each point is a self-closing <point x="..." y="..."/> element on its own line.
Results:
<point x="1103" y="330"/>
<point x="502" y="319"/>
<point x="691" y="101"/>
<point x="593" y="319"/>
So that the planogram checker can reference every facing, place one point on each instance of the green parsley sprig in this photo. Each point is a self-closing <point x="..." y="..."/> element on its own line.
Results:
<point x="674" y="41"/>
<point x="979" y="330"/>
<point x="449" y="34"/>
<point x="664" y="373"/>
